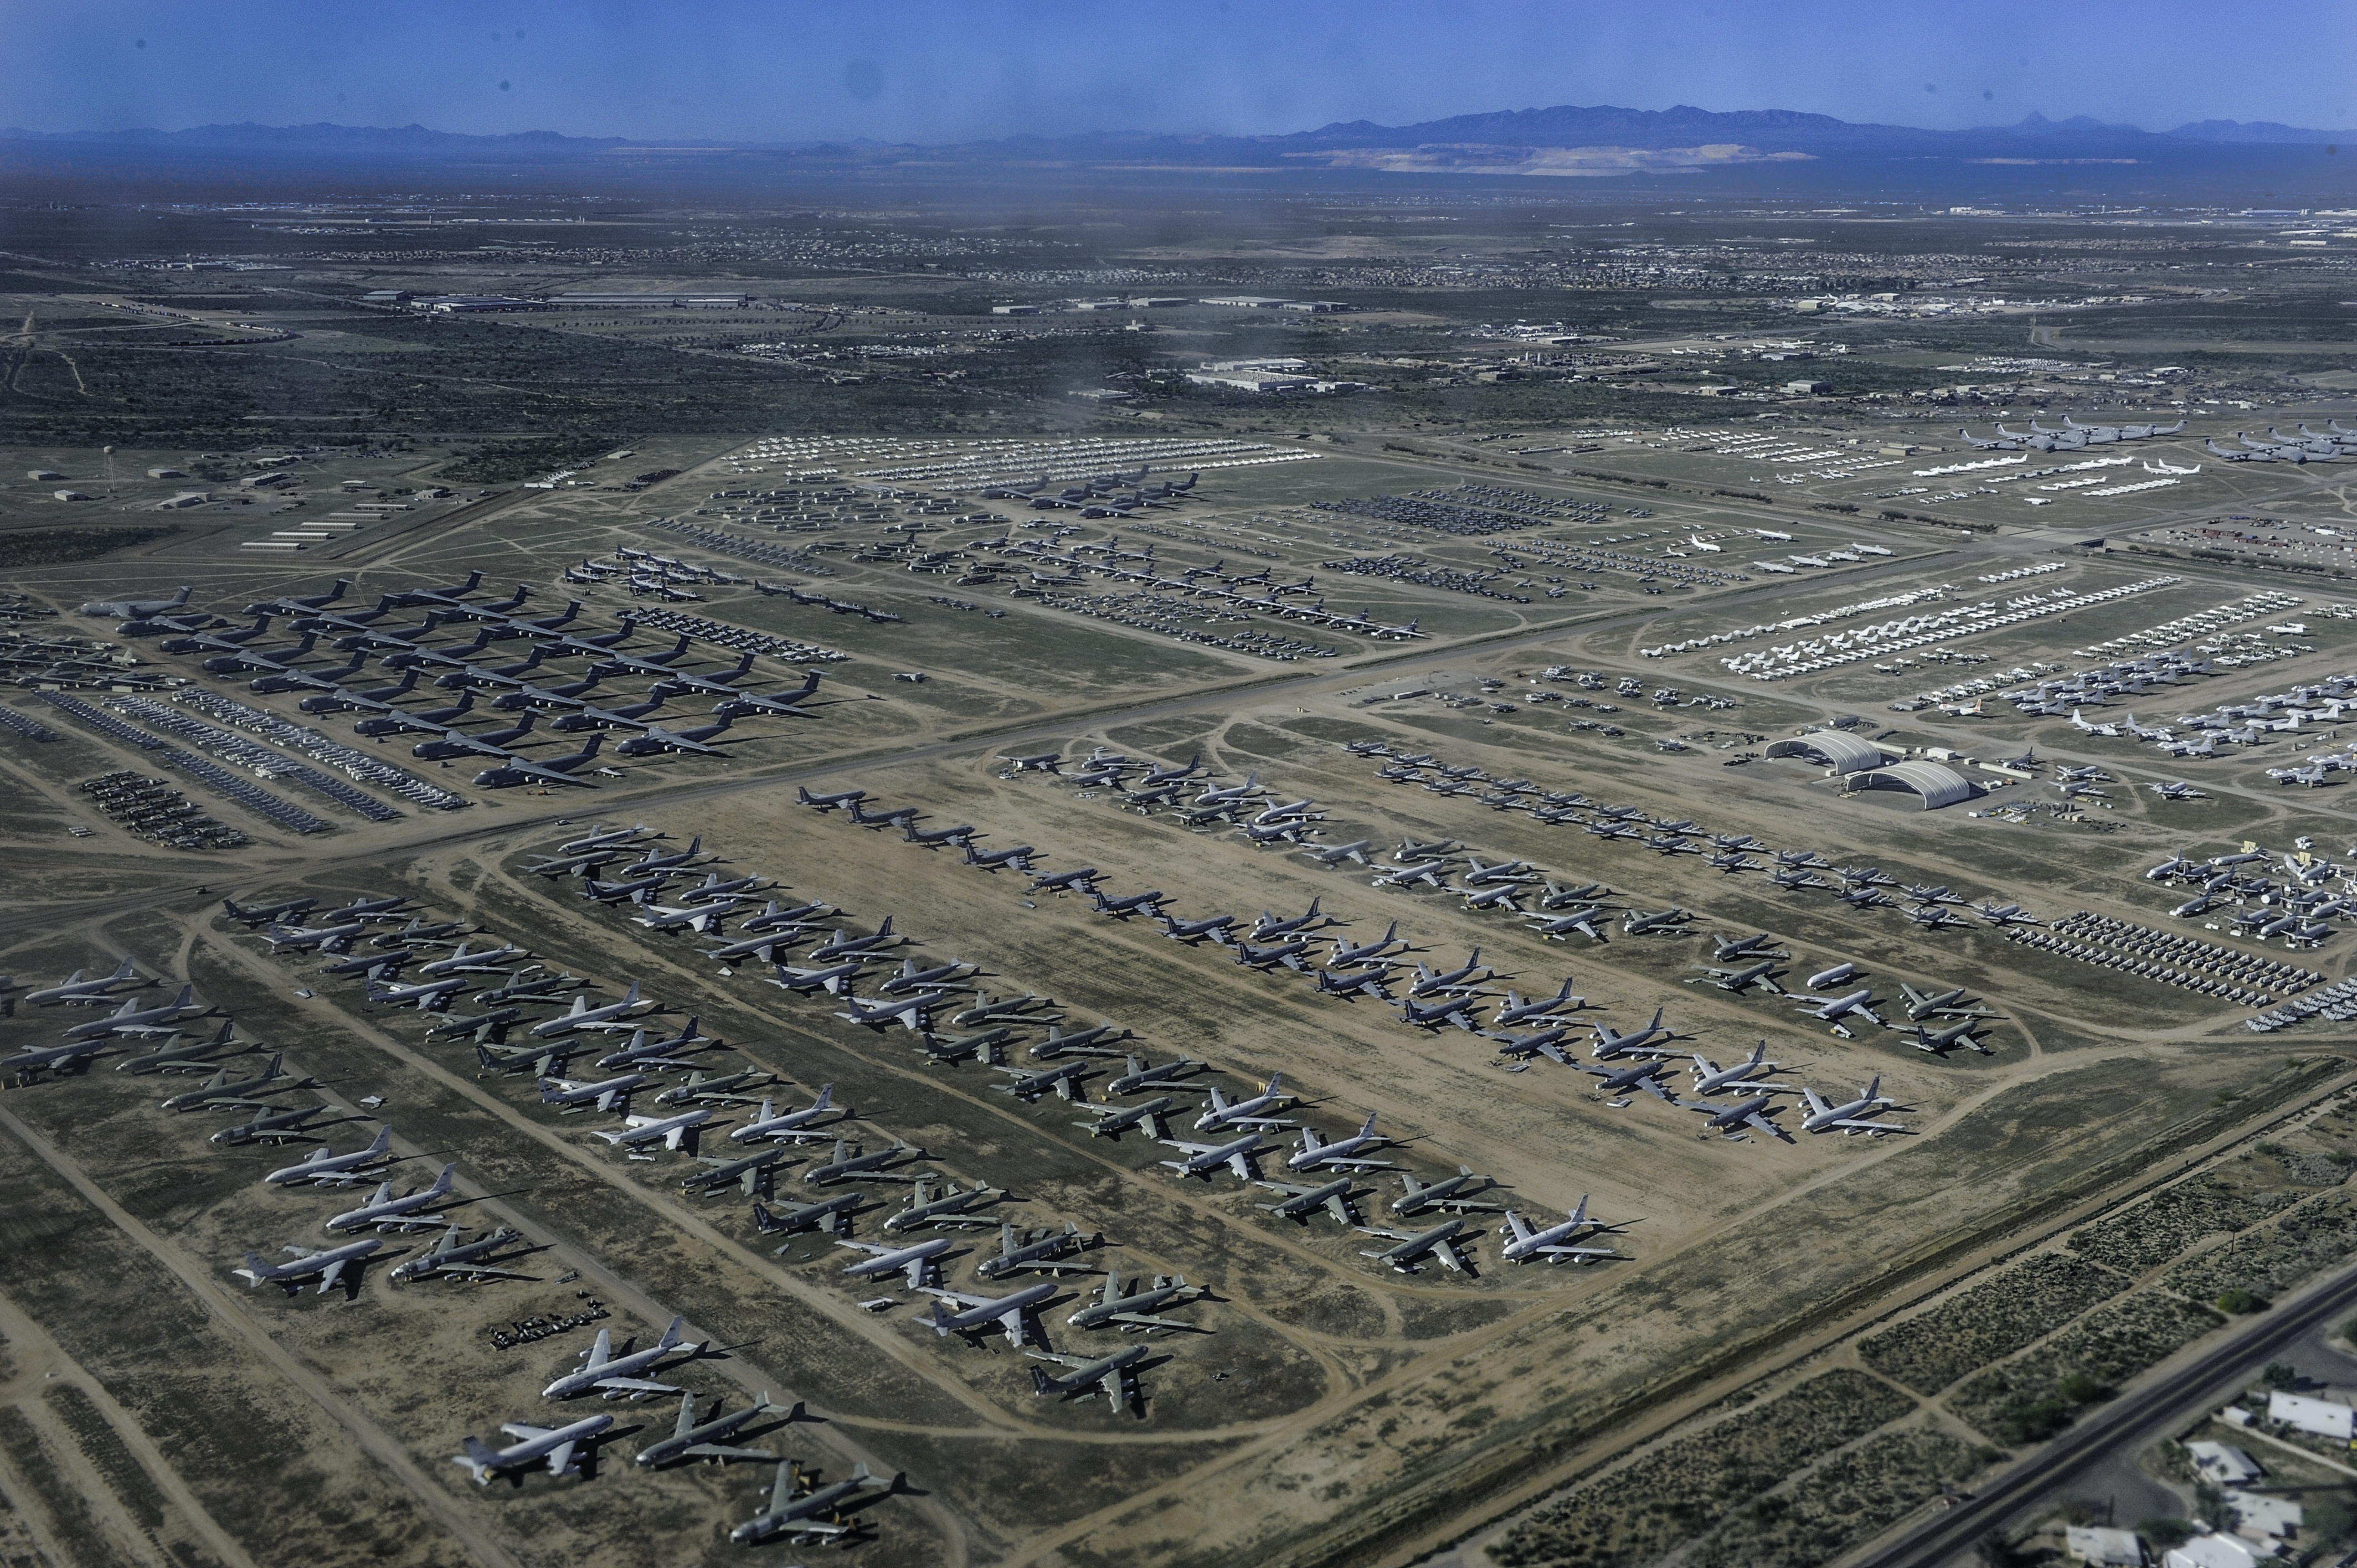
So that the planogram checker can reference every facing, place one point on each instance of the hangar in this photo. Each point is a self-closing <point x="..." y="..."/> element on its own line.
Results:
<point x="1843" y="753"/>
<point x="1938" y="784"/>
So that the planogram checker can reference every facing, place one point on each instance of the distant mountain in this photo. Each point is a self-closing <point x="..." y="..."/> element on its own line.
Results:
<point x="2259" y="131"/>
<point x="324" y="137"/>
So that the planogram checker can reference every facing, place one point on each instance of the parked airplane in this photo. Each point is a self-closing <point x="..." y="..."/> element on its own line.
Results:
<point x="616" y="1377"/>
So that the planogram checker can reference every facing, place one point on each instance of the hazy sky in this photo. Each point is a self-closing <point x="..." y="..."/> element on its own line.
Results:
<point x="936" y="71"/>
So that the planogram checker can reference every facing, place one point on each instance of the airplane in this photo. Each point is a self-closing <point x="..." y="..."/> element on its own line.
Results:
<point x="1345" y="956"/>
<point x="1618" y="1082"/>
<point x="1502" y="896"/>
<point x="137" y="609"/>
<point x="1847" y="1117"/>
<point x="617" y="1376"/>
<point x="1019" y="857"/>
<point x="1726" y="948"/>
<point x="1709" y="1078"/>
<point x="988" y="1048"/>
<point x="583" y="1016"/>
<point x="950" y="1211"/>
<point x="1429" y="872"/>
<point x="1922" y="1004"/>
<point x="1752" y="1114"/>
<point x="829" y="803"/>
<point x="1065" y="1080"/>
<point x="708" y="1441"/>
<point x="752" y="1172"/>
<point x="1248" y="1112"/>
<point x="557" y="1446"/>
<point x="459" y="1260"/>
<point x="1441" y="1242"/>
<point x="1935" y="1041"/>
<point x="842" y="946"/>
<point x="334" y="1170"/>
<point x="1122" y="908"/>
<point x="700" y="918"/>
<point x="674" y="1132"/>
<point x="1040" y="1251"/>
<point x="1860" y="1002"/>
<point x="1009" y="1010"/>
<point x="2006" y="915"/>
<point x="1111" y="1376"/>
<point x="1142" y="1077"/>
<point x="920" y="1260"/>
<point x="881" y="1166"/>
<point x="386" y="1213"/>
<point x="191" y="1056"/>
<point x="429" y="995"/>
<point x="831" y="1215"/>
<point x="1015" y="1312"/>
<point x="275" y="914"/>
<point x="812" y="1517"/>
<point x="1215" y="927"/>
<point x="798" y="1126"/>
<point x="1341" y="1154"/>
<point x="1269" y="927"/>
<point x="833" y="979"/>
<point x="1334" y="1197"/>
<point x="1582" y="920"/>
<point x="1637" y="924"/>
<point x="1554" y="1243"/>
<point x="654" y="740"/>
<point x="1760" y="974"/>
<point x="491" y="1026"/>
<point x="1457" y="1192"/>
<point x="313" y="681"/>
<point x="589" y="716"/>
<point x="912" y="1013"/>
<point x="723" y="684"/>
<point x="224" y="1093"/>
<point x="1134" y="1310"/>
<point x="1833" y="976"/>
<point x="79" y="991"/>
<point x="1083" y="879"/>
<point x="1547" y="1043"/>
<point x="327" y="1267"/>
<point x="52" y="1059"/>
<point x="1609" y="1044"/>
<point x="462" y="961"/>
<point x="554" y="770"/>
<point x="1204" y="1159"/>
<point x="1044" y="761"/>
<point x="132" y="1019"/>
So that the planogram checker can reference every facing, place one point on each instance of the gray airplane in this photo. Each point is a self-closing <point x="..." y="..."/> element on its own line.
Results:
<point x="989" y="1047"/>
<point x="1752" y="1112"/>
<point x="1441" y="1242"/>
<point x="752" y="1173"/>
<point x="951" y="1211"/>
<point x="1111" y="1376"/>
<point x="1761" y="974"/>
<point x="1582" y="920"/>
<point x="727" y="1088"/>
<point x="1343" y="1154"/>
<point x="224" y="1092"/>
<point x="1953" y="1002"/>
<point x="272" y="1127"/>
<point x="1858" y="1004"/>
<point x="132" y="1019"/>
<point x="454" y="1258"/>
<point x="1014" y="1314"/>
<point x="881" y="1166"/>
<point x="1113" y="1121"/>
<point x="26" y="1064"/>
<point x="612" y="1018"/>
<point x="561" y="1449"/>
<point x="1335" y="854"/>
<point x="1653" y="1038"/>
<point x="616" y="1377"/>
<point x="327" y="1169"/>
<point x="798" y="1126"/>
<point x="1849" y="1117"/>
<point x="1250" y="1112"/>
<point x="815" y="1516"/>
<point x="1958" y="1033"/>
<point x="1554" y="1243"/>
<point x="1637" y="924"/>
<point x="1041" y="1252"/>
<point x="674" y="1133"/>
<point x="1615" y="1081"/>
<point x="1065" y="1080"/>
<point x="1459" y="1194"/>
<point x="607" y="1094"/>
<point x="1301" y="1201"/>
<point x="1132" y="1311"/>
<point x="1709" y="1078"/>
<point x="386" y="1213"/>
<point x="328" y="1267"/>
<point x="1205" y="1159"/>
<point x="832" y="1215"/>
<point x="709" y="1440"/>
<point x="178" y="1055"/>
<point x="1517" y="1011"/>
<point x="79" y="992"/>
<point x="920" y="1260"/>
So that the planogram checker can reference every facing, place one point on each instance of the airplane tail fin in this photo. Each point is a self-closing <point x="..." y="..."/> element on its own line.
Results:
<point x="126" y="969"/>
<point x="383" y="1142"/>
<point x="1368" y="1131"/>
<point x="1039" y="1384"/>
<point x="187" y="996"/>
<point x="825" y="1098"/>
<point x="479" y="1459"/>
<point x="633" y="994"/>
<point x="441" y="1183"/>
<point x="940" y="1319"/>
<point x="671" y="1334"/>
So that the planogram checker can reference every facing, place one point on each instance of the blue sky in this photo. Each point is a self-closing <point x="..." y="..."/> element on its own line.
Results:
<point x="932" y="71"/>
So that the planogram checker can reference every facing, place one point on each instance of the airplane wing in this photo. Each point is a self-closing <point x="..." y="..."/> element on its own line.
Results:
<point x="1356" y="1165"/>
<point x="1561" y="1251"/>
<point x="480" y="1272"/>
<point x="1860" y="1124"/>
<point x="635" y="1385"/>
<point x="721" y="1452"/>
<point x="1240" y="1162"/>
<point x="1762" y="1125"/>
<point x="1146" y="1320"/>
<point x="560" y="1458"/>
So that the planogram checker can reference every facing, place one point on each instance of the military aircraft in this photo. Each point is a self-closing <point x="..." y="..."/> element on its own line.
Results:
<point x="1554" y="1243"/>
<point x="426" y="995"/>
<point x="1709" y="1078"/>
<point x="1065" y="1080"/>
<point x="1761" y="974"/>
<point x="328" y="1267"/>
<point x="177" y="1055"/>
<point x="560" y="1448"/>
<point x="1083" y="879"/>
<point x="1111" y="1376"/>
<point x="1344" y="1153"/>
<point x="1857" y="1003"/>
<point x="272" y="1126"/>
<point x="1937" y="1041"/>
<point x="616" y="1377"/>
<point x="275" y="914"/>
<point x="455" y="1259"/>
<point x="1953" y="1003"/>
<point x="674" y="1132"/>
<point x="832" y="1215"/>
<point x="222" y="1091"/>
<point x="132" y="1019"/>
<point x="708" y="1441"/>
<point x="1851" y="1116"/>
<point x="814" y="1516"/>
<point x="1302" y="1201"/>
<point x="386" y="1213"/>
<point x="1012" y="1314"/>
<point x="1134" y="1311"/>
<point x="76" y="990"/>
<point x="137" y="609"/>
<point x="881" y="1166"/>
<point x="1616" y="1081"/>
<point x="753" y="1173"/>
<point x="553" y="770"/>
<point x="2006" y="915"/>
<point x="1637" y="924"/>
<point x="1752" y="1112"/>
<point x="1441" y="1243"/>
<point x="1204" y="1159"/>
<point x="1036" y="1250"/>
<point x="953" y="1210"/>
<point x="920" y="1260"/>
<point x="1019" y="857"/>
<point x="1459" y="1193"/>
<point x="1248" y="1112"/>
<point x="726" y="1089"/>
<point x="1517" y="1011"/>
<point x="581" y="1015"/>
<point x="333" y="1170"/>
<point x="1583" y="920"/>
<point x="799" y="1126"/>
<point x="829" y="803"/>
<point x="1611" y="1043"/>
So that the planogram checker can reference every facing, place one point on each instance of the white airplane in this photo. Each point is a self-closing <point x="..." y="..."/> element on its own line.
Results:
<point x="1246" y="1113"/>
<point x="1202" y="1159"/>
<point x="386" y="1213"/>
<point x="559" y="1446"/>
<point x="1554" y="1243"/>
<point x="79" y="992"/>
<point x="327" y="1266"/>
<point x="673" y="1131"/>
<point x="616" y="1375"/>
<point x="1341" y="1154"/>
<point x="333" y="1170"/>
<point x="1849" y="1117"/>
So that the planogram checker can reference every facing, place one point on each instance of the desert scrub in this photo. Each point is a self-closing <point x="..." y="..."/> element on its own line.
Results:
<point x="1854" y="1496"/>
<point x="2272" y="1259"/>
<point x="1990" y="1321"/>
<point x="2161" y="1228"/>
<point x="2035" y="1397"/>
<point x="1680" y="1489"/>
